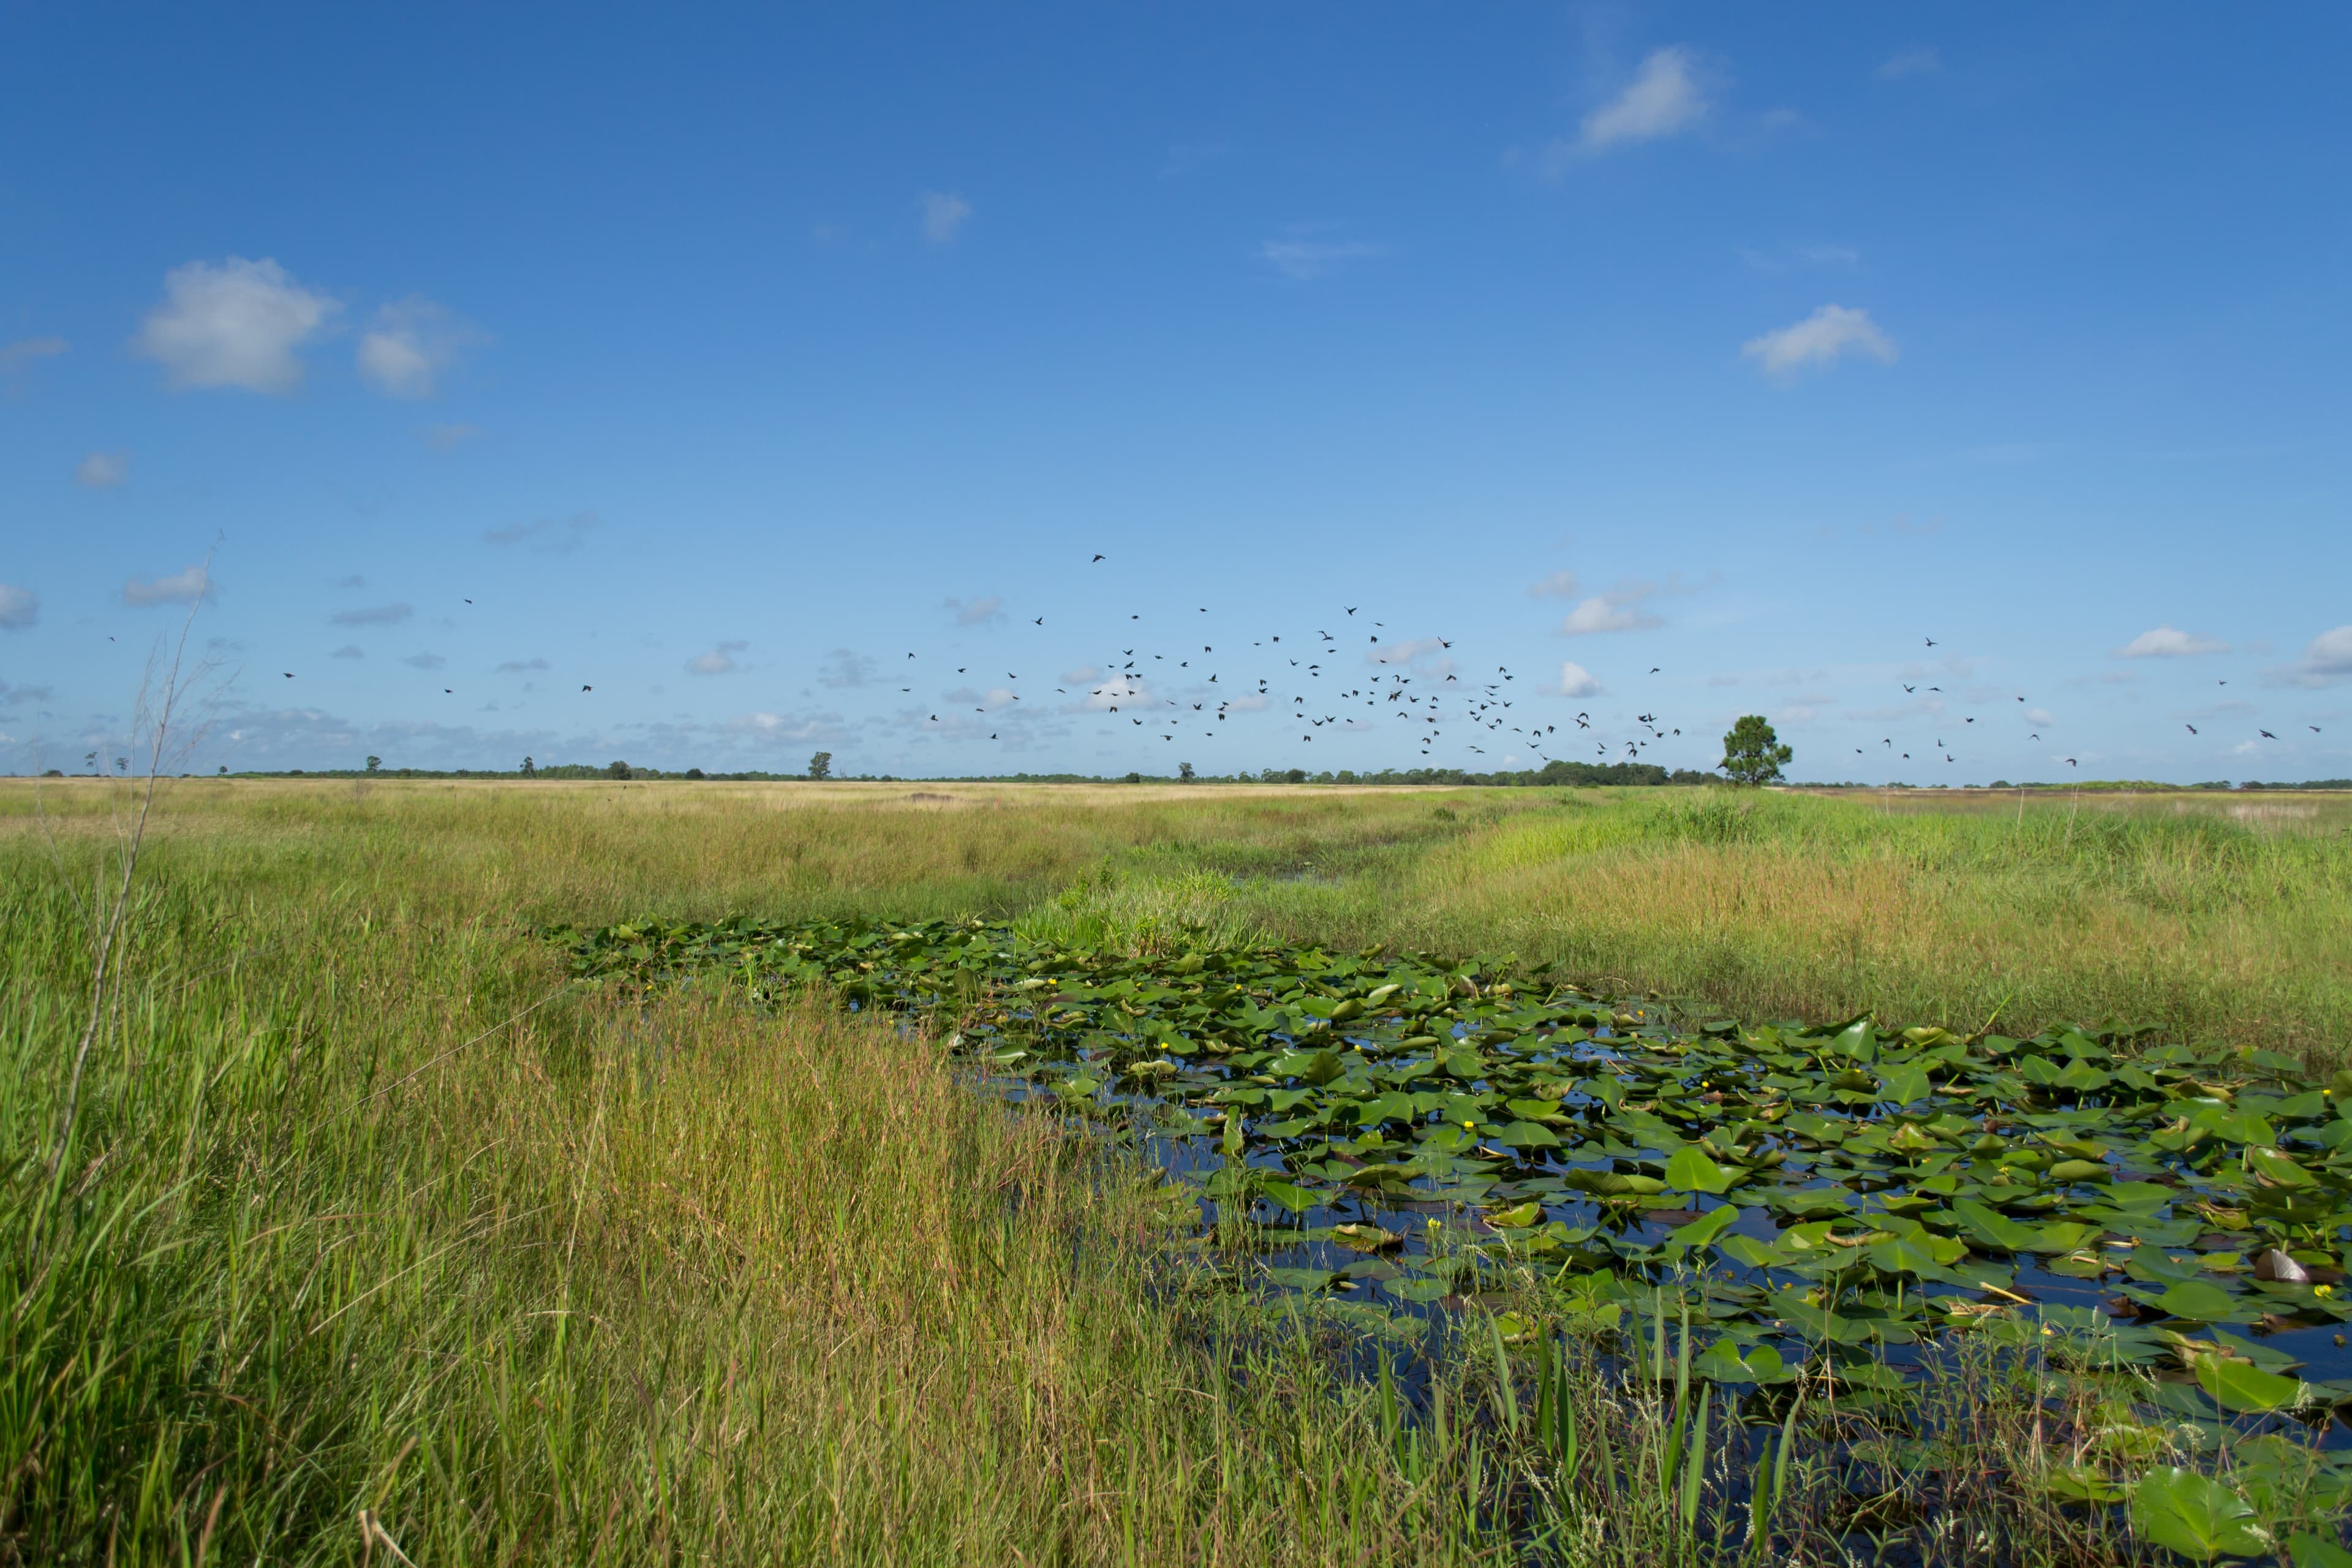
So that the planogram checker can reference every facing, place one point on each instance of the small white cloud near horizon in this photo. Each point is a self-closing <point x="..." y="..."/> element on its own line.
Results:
<point x="1826" y="336"/>
<point x="943" y="214"/>
<point x="238" y="324"/>
<point x="719" y="660"/>
<point x="1663" y="98"/>
<point x="182" y="587"/>
<point x="19" y="608"/>
<point x="1301" y="260"/>
<point x="1560" y="584"/>
<point x="410" y="342"/>
<point x="1618" y="610"/>
<point x="976" y="612"/>
<point x="1910" y="62"/>
<point x="103" y="470"/>
<point x="2169" y="642"/>
<point x="1575" y="681"/>
<point x="846" y="667"/>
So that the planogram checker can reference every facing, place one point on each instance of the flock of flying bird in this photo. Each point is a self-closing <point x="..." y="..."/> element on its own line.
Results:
<point x="1415" y="683"/>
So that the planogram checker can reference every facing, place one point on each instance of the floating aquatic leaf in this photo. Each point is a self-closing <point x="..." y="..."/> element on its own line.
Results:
<point x="2239" y="1385"/>
<point x="2195" y="1515"/>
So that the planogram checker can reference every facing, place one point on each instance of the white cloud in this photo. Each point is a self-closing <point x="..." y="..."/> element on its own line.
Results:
<point x="1575" y="681"/>
<point x="450" y="437"/>
<point x="976" y="612"/>
<point x="19" y="608"/>
<point x="103" y="470"/>
<point x="1559" y="586"/>
<point x="1080" y="675"/>
<point x="1663" y="98"/>
<point x="787" y="728"/>
<point x="2040" y="718"/>
<point x="1420" y="652"/>
<point x="719" y="660"/>
<point x="2326" y="661"/>
<point x="412" y="341"/>
<point x="2168" y="642"/>
<point x="236" y="325"/>
<point x="520" y="666"/>
<point x="424" y="661"/>
<point x="942" y="215"/>
<point x="373" y="615"/>
<point x="349" y="650"/>
<point x="1910" y="62"/>
<point x="545" y="536"/>
<point x="1618" y="610"/>
<point x="182" y="587"/>
<point x="1824" y="337"/>
<point x="1305" y="259"/>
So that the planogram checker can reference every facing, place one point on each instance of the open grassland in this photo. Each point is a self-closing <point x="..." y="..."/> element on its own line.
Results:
<point x="2210" y="917"/>
<point x="367" y="1228"/>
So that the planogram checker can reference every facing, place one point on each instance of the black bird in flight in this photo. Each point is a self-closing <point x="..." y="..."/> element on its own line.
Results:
<point x="1097" y="557"/>
<point x="289" y="675"/>
<point x="2192" y="729"/>
<point x="1910" y="689"/>
<point x="1041" y="621"/>
<point x="1931" y="642"/>
<point x="2266" y="735"/>
<point x="587" y="688"/>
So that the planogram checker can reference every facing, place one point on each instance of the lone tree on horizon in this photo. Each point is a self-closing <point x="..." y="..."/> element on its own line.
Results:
<point x="821" y="765"/>
<point x="1752" y="753"/>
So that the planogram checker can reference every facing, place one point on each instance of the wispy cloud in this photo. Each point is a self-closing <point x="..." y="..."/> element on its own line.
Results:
<point x="19" y="608"/>
<point x="349" y="650"/>
<point x="103" y="470"/>
<point x="1302" y="259"/>
<point x="546" y="536"/>
<point x="520" y="666"/>
<point x="2169" y="642"/>
<point x="976" y="612"/>
<point x="410" y="343"/>
<point x="424" y="661"/>
<point x="450" y="437"/>
<point x="182" y="587"/>
<point x="1828" y="335"/>
<point x="719" y="660"/>
<point x="238" y="324"/>
<point x="844" y="667"/>
<point x="1559" y="586"/>
<point x="25" y="350"/>
<point x="943" y="214"/>
<point x="373" y="615"/>
<point x="353" y="581"/>
<point x="1663" y="99"/>
<point x="1910" y="62"/>
<point x="1618" y="610"/>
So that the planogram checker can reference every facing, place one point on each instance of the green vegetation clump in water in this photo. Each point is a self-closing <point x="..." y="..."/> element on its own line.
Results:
<point x="1806" y="1199"/>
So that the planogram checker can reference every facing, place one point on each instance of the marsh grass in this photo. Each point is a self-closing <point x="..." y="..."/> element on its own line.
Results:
<point x="373" y="1233"/>
<point x="398" y="1241"/>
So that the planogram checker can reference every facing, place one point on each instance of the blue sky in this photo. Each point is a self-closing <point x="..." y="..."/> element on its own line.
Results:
<point x="724" y="361"/>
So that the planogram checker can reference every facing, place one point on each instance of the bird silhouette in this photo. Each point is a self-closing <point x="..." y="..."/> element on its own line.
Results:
<point x="2266" y="735"/>
<point x="587" y="688"/>
<point x="2192" y="729"/>
<point x="1097" y="557"/>
<point x="1931" y="642"/>
<point x="289" y="675"/>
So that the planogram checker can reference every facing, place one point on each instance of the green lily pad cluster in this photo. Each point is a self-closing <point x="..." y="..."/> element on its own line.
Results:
<point x="1809" y="1192"/>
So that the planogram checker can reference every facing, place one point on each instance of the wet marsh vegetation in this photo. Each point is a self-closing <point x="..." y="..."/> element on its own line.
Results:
<point x="381" y="1227"/>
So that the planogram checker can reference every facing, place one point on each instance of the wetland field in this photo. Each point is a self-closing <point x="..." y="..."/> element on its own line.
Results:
<point x="666" y="1172"/>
